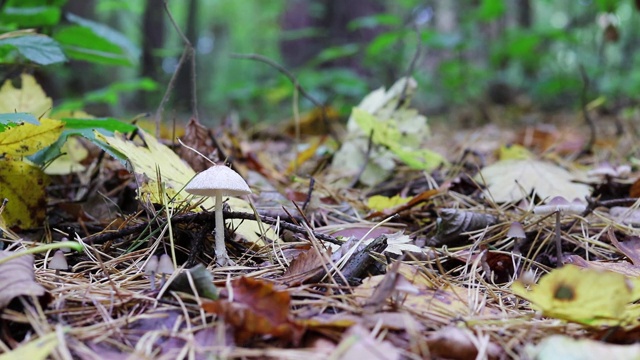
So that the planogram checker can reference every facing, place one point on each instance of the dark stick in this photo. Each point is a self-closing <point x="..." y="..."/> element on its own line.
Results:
<point x="206" y="217"/>
<point x="588" y="149"/>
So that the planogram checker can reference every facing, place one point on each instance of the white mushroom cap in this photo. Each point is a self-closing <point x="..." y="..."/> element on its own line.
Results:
<point x="516" y="230"/>
<point x="218" y="178"/>
<point x="165" y="265"/>
<point x="58" y="261"/>
<point x="152" y="265"/>
<point x="562" y="205"/>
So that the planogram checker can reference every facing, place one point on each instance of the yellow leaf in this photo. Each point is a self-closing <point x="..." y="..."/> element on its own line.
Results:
<point x="38" y="349"/>
<point x="175" y="174"/>
<point x="73" y="153"/>
<point x="514" y="152"/>
<point x="28" y="98"/>
<point x="380" y="203"/>
<point x="585" y="296"/>
<point x="27" y="139"/>
<point x="24" y="186"/>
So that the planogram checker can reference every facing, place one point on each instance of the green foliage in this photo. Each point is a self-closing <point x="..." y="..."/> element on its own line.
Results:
<point x="40" y="49"/>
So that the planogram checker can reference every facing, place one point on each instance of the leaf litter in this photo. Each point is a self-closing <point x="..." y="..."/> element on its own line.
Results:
<point x="424" y="264"/>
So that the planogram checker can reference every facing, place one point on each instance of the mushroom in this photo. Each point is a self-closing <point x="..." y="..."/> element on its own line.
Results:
<point x="150" y="269"/>
<point x="560" y="206"/>
<point x="217" y="181"/>
<point x="58" y="262"/>
<point x="165" y="267"/>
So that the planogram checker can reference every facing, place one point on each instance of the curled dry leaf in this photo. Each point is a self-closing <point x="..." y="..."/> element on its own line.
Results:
<point x="306" y="267"/>
<point x="454" y="223"/>
<point x="456" y="343"/>
<point x="197" y="137"/>
<point x="17" y="279"/>
<point x="361" y="344"/>
<point x="257" y="309"/>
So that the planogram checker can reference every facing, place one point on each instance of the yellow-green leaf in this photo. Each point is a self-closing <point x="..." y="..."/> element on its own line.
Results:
<point x="380" y="203"/>
<point x="24" y="186"/>
<point x="27" y="139"/>
<point x="38" y="349"/>
<point x="29" y="97"/>
<point x="585" y="296"/>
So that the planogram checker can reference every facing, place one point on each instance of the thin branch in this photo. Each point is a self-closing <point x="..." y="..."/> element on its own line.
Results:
<point x="588" y="149"/>
<point x="188" y="51"/>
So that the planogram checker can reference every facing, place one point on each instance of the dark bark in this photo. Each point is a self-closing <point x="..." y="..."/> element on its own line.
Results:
<point x="184" y="84"/>
<point x="153" y="28"/>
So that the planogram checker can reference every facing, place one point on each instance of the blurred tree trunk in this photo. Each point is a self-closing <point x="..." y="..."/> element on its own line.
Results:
<point x="184" y="88"/>
<point x="524" y="14"/>
<point x="332" y="16"/>
<point x="153" y="23"/>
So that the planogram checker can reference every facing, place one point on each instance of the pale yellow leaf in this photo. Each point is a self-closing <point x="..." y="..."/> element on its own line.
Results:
<point x="29" y="98"/>
<point x="512" y="180"/>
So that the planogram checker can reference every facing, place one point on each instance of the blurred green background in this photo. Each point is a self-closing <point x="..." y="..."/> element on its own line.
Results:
<point x="117" y="57"/>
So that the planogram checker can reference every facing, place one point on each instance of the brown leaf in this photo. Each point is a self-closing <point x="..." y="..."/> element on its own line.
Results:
<point x="257" y="309"/>
<point x="306" y="266"/>
<point x="197" y="137"/>
<point x="17" y="279"/>
<point x="455" y="343"/>
<point x="360" y="344"/>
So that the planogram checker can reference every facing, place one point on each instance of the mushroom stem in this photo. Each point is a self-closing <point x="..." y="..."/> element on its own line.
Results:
<point x="221" y="250"/>
<point x="560" y="262"/>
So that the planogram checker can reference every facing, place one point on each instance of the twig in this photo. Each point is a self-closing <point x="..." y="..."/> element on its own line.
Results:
<point x="403" y="95"/>
<point x="201" y="218"/>
<point x="588" y="149"/>
<point x="312" y="182"/>
<point x="188" y="51"/>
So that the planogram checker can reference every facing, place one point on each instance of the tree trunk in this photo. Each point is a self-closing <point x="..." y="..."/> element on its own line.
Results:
<point x="153" y="23"/>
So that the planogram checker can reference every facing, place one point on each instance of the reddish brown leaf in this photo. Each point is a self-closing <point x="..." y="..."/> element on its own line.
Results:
<point x="257" y="309"/>
<point x="306" y="266"/>
<point x="197" y="137"/>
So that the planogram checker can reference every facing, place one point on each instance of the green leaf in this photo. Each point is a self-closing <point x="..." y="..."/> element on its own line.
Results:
<point x="85" y="128"/>
<point x="109" y="34"/>
<point x="27" y="17"/>
<point x="110" y="94"/>
<point x="40" y="49"/>
<point x="108" y="124"/>
<point x="491" y="9"/>
<point x="81" y="43"/>
<point x="17" y="118"/>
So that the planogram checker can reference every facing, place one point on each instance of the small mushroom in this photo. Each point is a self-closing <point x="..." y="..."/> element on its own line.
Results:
<point x="217" y="181"/>
<point x="58" y="262"/>
<point x="150" y="269"/>
<point x="560" y="206"/>
<point x="165" y="267"/>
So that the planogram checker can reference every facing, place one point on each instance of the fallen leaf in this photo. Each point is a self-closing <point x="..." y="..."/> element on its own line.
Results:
<point x="197" y="137"/>
<point x="17" y="279"/>
<point x="586" y="296"/>
<point x="37" y="349"/>
<point x="456" y="343"/>
<point x="257" y="309"/>
<point x="360" y="344"/>
<point x="29" y="98"/>
<point x="27" y="139"/>
<point x="308" y="265"/>
<point x="24" y="186"/>
<point x="560" y="347"/>
<point x="512" y="180"/>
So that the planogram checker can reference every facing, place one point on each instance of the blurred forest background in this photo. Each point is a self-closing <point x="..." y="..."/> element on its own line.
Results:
<point x="516" y="53"/>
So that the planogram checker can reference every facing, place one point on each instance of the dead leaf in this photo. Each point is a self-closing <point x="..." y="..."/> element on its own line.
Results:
<point x="257" y="309"/>
<point x="197" y="136"/>
<point x="37" y="349"/>
<point x="512" y="180"/>
<point x="24" y="185"/>
<point x="559" y="347"/>
<point x="360" y="344"/>
<point x="29" y="98"/>
<point x="304" y="267"/>
<point x="456" y="343"/>
<point x="18" y="279"/>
